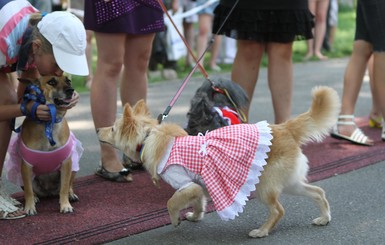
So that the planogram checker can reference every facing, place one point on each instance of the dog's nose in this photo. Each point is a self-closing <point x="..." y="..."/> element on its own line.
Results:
<point x="69" y="92"/>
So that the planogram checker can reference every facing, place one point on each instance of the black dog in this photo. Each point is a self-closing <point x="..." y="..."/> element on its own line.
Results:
<point x="214" y="105"/>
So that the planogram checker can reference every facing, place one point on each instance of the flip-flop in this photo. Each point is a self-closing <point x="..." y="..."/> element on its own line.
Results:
<point x="121" y="176"/>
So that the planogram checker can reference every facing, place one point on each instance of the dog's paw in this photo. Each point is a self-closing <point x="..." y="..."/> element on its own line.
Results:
<point x="257" y="233"/>
<point x="175" y="221"/>
<point x="30" y="210"/>
<point x="321" y="221"/>
<point x="64" y="209"/>
<point x="191" y="216"/>
<point x="73" y="197"/>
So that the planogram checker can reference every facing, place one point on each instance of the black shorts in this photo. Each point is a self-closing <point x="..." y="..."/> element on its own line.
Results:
<point x="370" y="23"/>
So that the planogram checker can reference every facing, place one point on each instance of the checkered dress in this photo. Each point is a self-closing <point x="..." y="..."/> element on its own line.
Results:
<point x="228" y="160"/>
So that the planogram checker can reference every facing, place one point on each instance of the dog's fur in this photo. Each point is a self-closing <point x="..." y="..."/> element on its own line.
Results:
<point x="286" y="169"/>
<point x="201" y="116"/>
<point x="58" y="91"/>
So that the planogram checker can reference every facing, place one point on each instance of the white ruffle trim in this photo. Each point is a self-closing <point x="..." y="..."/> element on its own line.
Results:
<point x="264" y="143"/>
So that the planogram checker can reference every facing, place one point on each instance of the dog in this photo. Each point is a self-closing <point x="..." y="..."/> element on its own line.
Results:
<point x="216" y="104"/>
<point x="164" y="148"/>
<point x="44" y="156"/>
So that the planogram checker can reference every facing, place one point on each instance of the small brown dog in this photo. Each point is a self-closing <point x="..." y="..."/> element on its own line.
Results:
<point x="168" y="153"/>
<point x="42" y="153"/>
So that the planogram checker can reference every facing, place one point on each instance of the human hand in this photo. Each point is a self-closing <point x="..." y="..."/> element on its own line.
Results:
<point x="74" y="100"/>
<point x="42" y="111"/>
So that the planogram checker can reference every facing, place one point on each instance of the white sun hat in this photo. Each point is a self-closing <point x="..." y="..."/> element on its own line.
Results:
<point x="67" y="36"/>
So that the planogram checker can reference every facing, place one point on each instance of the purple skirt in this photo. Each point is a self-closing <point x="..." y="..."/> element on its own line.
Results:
<point x="123" y="16"/>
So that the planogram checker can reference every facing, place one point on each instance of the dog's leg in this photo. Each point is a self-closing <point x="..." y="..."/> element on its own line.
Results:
<point x="181" y="199"/>
<point x="317" y="194"/>
<point x="29" y="196"/>
<point x="276" y="212"/>
<point x="65" y="180"/>
<point x="72" y="196"/>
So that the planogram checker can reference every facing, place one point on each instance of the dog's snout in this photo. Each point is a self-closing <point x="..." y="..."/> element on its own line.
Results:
<point x="69" y="92"/>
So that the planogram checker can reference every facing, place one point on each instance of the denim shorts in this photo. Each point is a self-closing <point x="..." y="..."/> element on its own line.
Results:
<point x="208" y="10"/>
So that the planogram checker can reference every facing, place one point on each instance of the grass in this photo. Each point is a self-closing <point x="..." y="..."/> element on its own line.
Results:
<point x="343" y="45"/>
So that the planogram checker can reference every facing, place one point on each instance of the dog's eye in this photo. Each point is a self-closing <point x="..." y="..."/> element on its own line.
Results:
<point x="52" y="82"/>
<point x="68" y="82"/>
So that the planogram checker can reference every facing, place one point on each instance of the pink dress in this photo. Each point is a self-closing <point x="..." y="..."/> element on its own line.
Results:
<point x="41" y="162"/>
<point x="227" y="161"/>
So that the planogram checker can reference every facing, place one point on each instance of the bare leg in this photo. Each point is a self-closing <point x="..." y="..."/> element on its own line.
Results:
<point x="320" y="27"/>
<point x="7" y="97"/>
<point x="375" y="113"/>
<point x="280" y="77"/>
<point x="90" y="35"/>
<point x="189" y="35"/>
<point x="203" y="34"/>
<point x="103" y="90"/>
<point x="379" y="81"/>
<point x="353" y="77"/>
<point x="246" y="66"/>
<point x="214" y="53"/>
<point x="133" y="86"/>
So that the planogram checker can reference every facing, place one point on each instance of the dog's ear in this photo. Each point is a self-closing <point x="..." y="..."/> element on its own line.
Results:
<point x="140" y="108"/>
<point x="128" y="119"/>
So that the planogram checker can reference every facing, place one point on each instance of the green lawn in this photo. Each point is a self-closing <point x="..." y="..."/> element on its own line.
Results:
<point x="343" y="45"/>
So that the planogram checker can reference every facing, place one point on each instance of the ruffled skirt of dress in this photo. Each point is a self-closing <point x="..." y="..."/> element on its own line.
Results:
<point x="230" y="182"/>
<point x="282" y="26"/>
<point x="12" y="166"/>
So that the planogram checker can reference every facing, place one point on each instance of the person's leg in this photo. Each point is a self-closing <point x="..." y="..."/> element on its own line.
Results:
<point x="246" y="65"/>
<point x="320" y="27"/>
<point x="133" y="86"/>
<point x="7" y="96"/>
<point x="353" y="77"/>
<point x="188" y="29"/>
<point x="310" y="42"/>
<point x="203" y="34"/>
<point x="375" y="116"/>
<point x="90" y="35"/>
<point x="280" y="77"/>
<point x="215" y="48"/>
<point x="379" y="82"/>
<point x="104" y="90"/>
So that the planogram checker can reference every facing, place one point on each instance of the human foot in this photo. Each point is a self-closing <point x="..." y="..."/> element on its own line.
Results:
<point x="348" y="130"/>
<point x="375" y="120"/>
<point x="10" y="211"/>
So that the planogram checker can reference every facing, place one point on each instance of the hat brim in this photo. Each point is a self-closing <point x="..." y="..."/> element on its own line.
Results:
<point x="70" y="63"/>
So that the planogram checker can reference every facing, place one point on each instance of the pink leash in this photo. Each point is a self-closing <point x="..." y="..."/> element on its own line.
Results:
<point x="162" y="116"/>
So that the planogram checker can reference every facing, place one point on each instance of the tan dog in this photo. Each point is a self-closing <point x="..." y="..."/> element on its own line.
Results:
<point x="285" y="171"/>
<point x="49" y="171"/>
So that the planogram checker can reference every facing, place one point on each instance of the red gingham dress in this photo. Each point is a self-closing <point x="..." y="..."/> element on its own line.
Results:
<point x="228" y="161"/>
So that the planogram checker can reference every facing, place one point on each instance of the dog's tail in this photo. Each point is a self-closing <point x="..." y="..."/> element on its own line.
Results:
<point x="316" y="123"/>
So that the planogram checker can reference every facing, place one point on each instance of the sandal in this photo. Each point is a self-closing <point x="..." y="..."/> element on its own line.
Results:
<point x="357" y="137"/>
<point x="9" y="211"/>
<point x="123" y="175"/>
<point x="375" y="121"/>
<point x="5" y="195"/>
<point x="128" y="163"/>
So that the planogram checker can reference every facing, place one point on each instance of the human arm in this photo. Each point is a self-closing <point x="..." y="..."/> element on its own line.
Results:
<point x="8" y="112"/>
